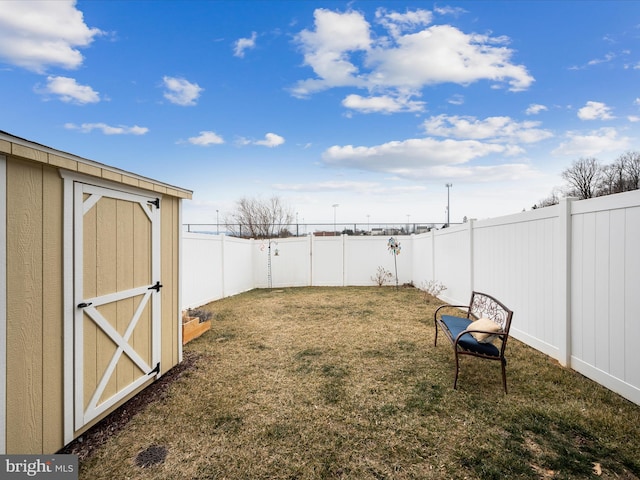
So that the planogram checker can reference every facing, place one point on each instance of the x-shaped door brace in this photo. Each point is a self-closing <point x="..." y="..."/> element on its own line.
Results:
<point x="121" y="341"/>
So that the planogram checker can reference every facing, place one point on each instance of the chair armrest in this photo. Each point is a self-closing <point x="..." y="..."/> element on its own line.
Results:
<point x="451" y="306"/>
<point x="435" y="314"/>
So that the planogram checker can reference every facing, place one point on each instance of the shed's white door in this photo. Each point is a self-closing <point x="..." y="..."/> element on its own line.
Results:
<point x="117" y="297"/>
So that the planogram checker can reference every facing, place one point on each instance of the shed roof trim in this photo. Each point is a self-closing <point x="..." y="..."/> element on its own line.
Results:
<point x="20" y="147"/>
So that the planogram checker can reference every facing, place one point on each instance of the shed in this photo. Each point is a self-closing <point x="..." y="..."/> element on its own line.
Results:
<point x="89" y="291"/>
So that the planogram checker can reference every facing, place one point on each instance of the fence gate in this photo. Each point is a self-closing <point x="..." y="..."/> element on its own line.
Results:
<point x="116" y="295"/>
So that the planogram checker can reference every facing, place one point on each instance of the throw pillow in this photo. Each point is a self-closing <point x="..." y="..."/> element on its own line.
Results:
<point x="487" y="325"/>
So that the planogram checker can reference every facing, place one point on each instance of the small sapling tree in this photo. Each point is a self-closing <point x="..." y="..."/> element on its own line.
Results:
<point x="382" y="276"/>
<point x="432" y="288"/>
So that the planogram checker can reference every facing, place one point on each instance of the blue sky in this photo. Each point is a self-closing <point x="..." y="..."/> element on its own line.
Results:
<point x="371" y="105"/>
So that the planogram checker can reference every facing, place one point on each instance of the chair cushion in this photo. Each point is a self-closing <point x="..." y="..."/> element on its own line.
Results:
<point x="456" y="325"/>
<point x="487" y="325"/>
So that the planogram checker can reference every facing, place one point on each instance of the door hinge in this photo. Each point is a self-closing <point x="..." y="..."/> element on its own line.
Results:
<point x="156" y="370"/>
<point x="155" y="287"/>
<point x="155" y="202"/>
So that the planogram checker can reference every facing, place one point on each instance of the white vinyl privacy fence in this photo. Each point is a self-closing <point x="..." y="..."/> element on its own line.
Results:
<point x="570" y="273"/>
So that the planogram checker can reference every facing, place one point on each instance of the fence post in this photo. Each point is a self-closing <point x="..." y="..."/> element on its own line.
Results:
<point x="312" y="241"/>
<point x="343" y="243"/>
<point x="564" y="281"/>
<point x="433" y="254"/>
<point x="471" y="258"/>
<point x="222" y="237"/>
<point x="310" y="248"/>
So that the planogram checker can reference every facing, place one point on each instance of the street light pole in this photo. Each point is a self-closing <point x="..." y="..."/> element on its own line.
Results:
<point x="335" y="206"/>
<point x="448" y="185"/>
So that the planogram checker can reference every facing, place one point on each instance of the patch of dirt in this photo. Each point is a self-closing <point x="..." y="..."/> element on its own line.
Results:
<point x="86" y="444"/>
<point x="153" y="455"/>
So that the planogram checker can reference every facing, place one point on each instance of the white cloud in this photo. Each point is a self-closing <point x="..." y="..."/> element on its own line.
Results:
<point x="107" y="129"/>
<point x="396" y="23"/>
<point x="633" y="118"/>
<point x="455" y="11"/>
<point x="471" y="149"/>
<point x="270" y="140"/>
<point x="606" y="59"/>
<point x="243" y="44"/>
<point x="68" y="90"/>
<point x="38" y="34"/>
<point x="342" y="52"/>
<point x="535" y="108"/>
<point x="592" y="143"/>
<point x="328" y="186"/>
<point x="456" y="99"/>
<point x="502" y="129"/>
<point x="180" y="91"/>
<point x="412" y="158"/>
<point x="429" y="159"/>
<point x="382" y="103"/>
<point x="326" y="50"/>
<point x="351" y="187"/>
<point x="206" y="138"/>
<point x="595" y="111"/>
<point x="444" y="54"/>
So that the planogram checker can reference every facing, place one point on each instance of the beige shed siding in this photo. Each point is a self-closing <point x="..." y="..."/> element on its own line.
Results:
<point x="24" y="308"/>
<point x="35" y="288"/>
<point x="34" y="308"/>
<point x="52" y="300"/>
<point x="170" y="269"/>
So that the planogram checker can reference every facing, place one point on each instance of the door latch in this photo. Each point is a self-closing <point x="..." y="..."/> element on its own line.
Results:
<point x="84" y="305"/>
<point x="156" y="370"/>
<point x="155" y="287"/>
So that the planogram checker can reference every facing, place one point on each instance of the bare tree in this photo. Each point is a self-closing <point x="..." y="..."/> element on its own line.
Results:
<point x="257" y="218"/>
<point x="583" y="177"/>
<point x="587" y="178"/>
<point x="622" y="175"/>
<point x="631" y="167"/>
<point x="611" y="179"/>
<point x="552" y="199"/>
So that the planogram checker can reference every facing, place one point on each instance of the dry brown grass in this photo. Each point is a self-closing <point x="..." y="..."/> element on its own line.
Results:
<point x="313" y="383"/>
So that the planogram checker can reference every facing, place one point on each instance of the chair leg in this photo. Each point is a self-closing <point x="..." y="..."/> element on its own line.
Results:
<point x="455" y="379"/>
<point x="435" y="340"/>
<point x="504" y="375"/>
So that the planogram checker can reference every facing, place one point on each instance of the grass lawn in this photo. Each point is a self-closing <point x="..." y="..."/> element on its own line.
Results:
<point x="312" y="383"/>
